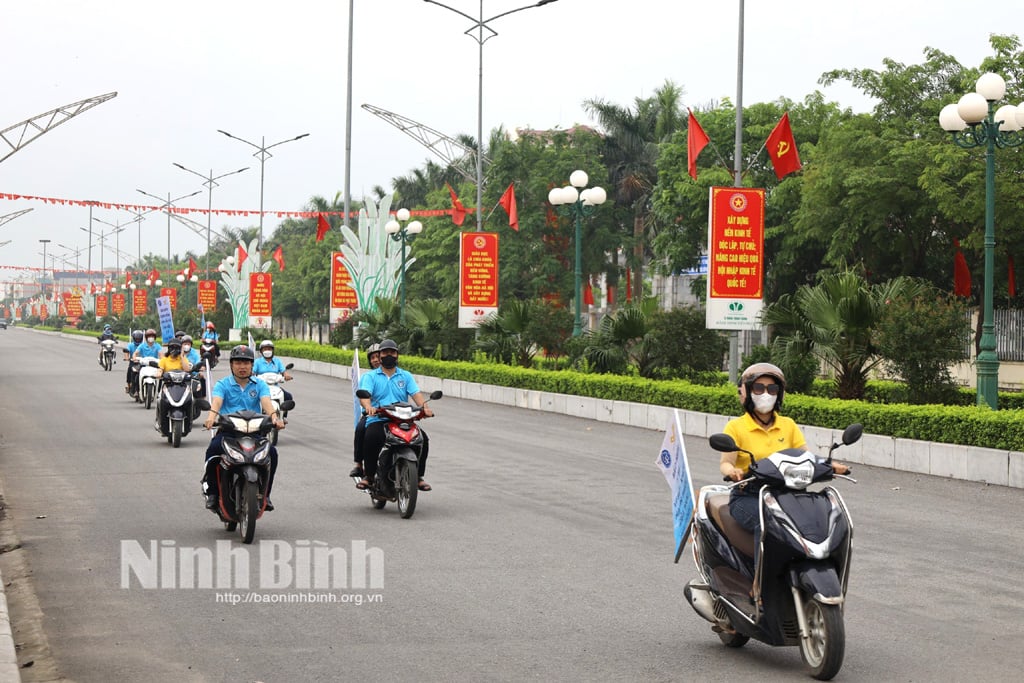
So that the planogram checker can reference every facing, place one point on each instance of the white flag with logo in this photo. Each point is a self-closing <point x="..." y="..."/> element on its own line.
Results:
<point x="673" y="464"/>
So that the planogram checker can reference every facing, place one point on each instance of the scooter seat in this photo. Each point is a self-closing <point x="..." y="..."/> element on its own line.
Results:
<point x="740" y="538"/>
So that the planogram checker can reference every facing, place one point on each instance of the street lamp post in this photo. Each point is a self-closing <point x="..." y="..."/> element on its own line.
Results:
<point x="477" y="33"/>
<point x="78" y="251"/>
<point x="404" y="235"/>
<point x="118" y="228"/>
<point x="262" y="154"/>
<point x="166" y="206"/>
<point x="573" y="200"/>
<point x="210" y="182"/>
<point x="973" y="122"/>
<point x="180" y="277"/>
<point x="42" y="277"/>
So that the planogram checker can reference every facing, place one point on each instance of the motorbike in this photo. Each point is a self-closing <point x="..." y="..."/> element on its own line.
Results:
<point x="209" y="351"/>
<point x="275" y="380"/>
<point x="244" y="471"/>
<point x="148" y="369"/>
<point x="795" y="592"/>
<point x="397" y="477"/>
<point x="176" y="410"/>
<point x="107" y="354"/>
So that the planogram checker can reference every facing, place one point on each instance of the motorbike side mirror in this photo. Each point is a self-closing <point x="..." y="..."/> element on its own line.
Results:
<point x="435" y="395"/>
<point x="287" y="405"/>
<point x="363" y="393"/>
<point x="723" y="443"/>
<point x="289" y="366"/>
<point x="202" y="404"/>
<point x="852" y="433"/>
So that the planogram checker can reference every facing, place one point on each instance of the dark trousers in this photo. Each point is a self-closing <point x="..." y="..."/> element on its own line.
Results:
<point x="213" y="455"/>
<point x="132" y="377"/>
<point x="357" y="440"/>
<point x="373" y="441"/>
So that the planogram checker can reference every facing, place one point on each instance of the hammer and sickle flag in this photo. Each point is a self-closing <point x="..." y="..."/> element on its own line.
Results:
<point x="782" y="149"/>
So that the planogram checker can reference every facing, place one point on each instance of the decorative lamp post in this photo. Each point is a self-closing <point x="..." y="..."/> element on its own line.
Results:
<point x="574" y="201"/>
<point x="973" y="122"/>
<point x="180" y="277"/>
<point x="42" y="277"/>
<point x="404" y="235"/>
<point x="211" y="182"/>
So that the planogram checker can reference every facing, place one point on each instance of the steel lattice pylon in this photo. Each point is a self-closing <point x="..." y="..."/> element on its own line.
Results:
<point x="25" y="132"/>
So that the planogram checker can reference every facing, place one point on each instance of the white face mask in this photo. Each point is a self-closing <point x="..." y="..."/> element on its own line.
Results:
<point x="185" y="348"/>
<point x="764" y="403"/>
<point x="268" y="354"/>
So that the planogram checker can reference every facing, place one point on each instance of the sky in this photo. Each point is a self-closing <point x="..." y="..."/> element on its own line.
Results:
<point x="271" y="71"/>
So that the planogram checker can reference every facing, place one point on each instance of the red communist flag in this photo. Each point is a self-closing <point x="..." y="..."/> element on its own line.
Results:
<point x="508" y="202"/>
<point x="92" y="288"/>
<point x="588" y="293"/>
<point x="154" y="275"/>
<point x="696" y="140"/>
<point x="192" y="266"/>
<point x="458" y="210"/>
<point x="961" y="273"/>
<point x="782" y="148"/>
<point x="278" y="256"/>
<point x="322" y="227"/>
<point x="242" y="255"/>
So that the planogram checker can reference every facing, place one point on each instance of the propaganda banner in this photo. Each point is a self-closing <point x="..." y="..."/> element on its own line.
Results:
<point x="208" y="295"/>
<point x="735" y="258"/>
<point x="139" y="301"/>
<point x="102" y="306"/>
<point x="478" y="277"/>
<point x="260" y="300"/>
<point x="172" y="296"/>
<point x="344" y="301"/>
<point x="118" y="303"/>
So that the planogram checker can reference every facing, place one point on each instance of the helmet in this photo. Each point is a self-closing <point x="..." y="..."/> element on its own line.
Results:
<point x="210" y="325"/>
<point x="107" y="328"/>
<point x="388" y="344"/>
<point x="372" y="349"/>
<point x="757" y="370"/>
<point x="242" y="352"/>
<point x="173" y="343"/>
<point x="266" y="343"/>
<point x="151" y="332"/>
<point x="137" y="336"/>
<point x="178" y="334"/>
<point x="186" y="339"/>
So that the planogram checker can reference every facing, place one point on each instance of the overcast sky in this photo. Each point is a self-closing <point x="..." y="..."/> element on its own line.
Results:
<point x="258" y="68"/>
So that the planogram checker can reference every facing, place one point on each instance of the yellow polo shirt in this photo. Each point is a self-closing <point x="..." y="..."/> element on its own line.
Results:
<point x="168" y="363"/>
<point x="762" y="441"/>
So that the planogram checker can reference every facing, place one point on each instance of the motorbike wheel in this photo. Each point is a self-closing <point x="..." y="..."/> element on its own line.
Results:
<point x="406" y="488"/>
<point x="175" y="433"/>
<point x="823" y="650"/>
<point x="106" y="362"/>
<point x="378" y="503"/>
<point x="248" y="510"/>
<point x="147" y="390"/>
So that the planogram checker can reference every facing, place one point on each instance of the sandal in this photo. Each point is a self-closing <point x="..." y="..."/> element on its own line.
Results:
<point x="362" y="484"/>
<point x="424" y="486"/>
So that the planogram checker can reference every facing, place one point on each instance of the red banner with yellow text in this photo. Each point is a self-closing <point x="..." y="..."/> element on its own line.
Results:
<point x="735" y="258"/>
<point x="208" y="295"/>
<point x="172" y="296"/>
<point x="261" y="299"/>
<point x="478" y="277"/>
<point x="102" y="306"/>
<point x="139" y="301"/>
<point x="343" y="298"/>
<point x="118" y="303"/>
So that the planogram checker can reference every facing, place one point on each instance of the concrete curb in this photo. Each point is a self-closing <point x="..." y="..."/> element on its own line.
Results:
<point x="9" y="670"/>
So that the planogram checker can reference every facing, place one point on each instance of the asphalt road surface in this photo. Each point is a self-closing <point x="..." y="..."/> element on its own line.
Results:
<point x="543" y="553"/>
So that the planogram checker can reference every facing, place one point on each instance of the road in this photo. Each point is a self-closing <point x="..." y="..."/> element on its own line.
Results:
<point x="544" y="552"/>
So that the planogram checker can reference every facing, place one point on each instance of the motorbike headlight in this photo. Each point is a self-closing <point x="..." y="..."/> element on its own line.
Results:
<point x="234" y="453"/>
<point x="262" y="454"/>
<point x="797" y="475"/>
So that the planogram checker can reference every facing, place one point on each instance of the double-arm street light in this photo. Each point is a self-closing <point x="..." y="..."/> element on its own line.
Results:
<point x="210" y="182"/>
<point x="404" y="235"/>
<point x="42" y="277"/>
<point x="975" y="121"/>
<point x="262" y="154"/>
<point x="481" y="32"/>
<point x="118" y="229"/>
<point x="166" y="207"/>
<point x="77" y="252"/>
<point x="571" y="201"/>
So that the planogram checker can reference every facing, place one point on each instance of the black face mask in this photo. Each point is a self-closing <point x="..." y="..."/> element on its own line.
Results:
<point x="174" y="353"/>
<point x="388" y="362"/>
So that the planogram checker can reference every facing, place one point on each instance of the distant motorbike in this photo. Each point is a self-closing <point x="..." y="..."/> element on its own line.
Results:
<point x="210" y="351"/>
<point x="149" y="368"/>
<point x="794" y="593"/>
<point x="244" y="470"/>
<point x="275" y="381"/>
<point x="107" y="354"/>
<point x="176" y="410"/>
<point x="397" y="477"/>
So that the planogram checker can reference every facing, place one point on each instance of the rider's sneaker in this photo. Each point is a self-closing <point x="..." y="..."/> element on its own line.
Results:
<point x="357" y="471"/>
<point x="270" y="506"/>
<point x="211" y="501"/>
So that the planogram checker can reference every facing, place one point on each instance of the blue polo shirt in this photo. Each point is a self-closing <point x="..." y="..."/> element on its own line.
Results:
<point x="263" y="365"/>
<point x="149" y="350"/>
<point x="193" y="358"/>
<point x="130" y="349"/>
<point x="386" y="390"/>
<point x="236" y="398"/>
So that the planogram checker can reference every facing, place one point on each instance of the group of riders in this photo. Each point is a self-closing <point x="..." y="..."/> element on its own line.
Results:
<point x="243" y="390"/>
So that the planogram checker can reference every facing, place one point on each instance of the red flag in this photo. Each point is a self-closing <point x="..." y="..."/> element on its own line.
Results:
<point x="92" y="288"/>
<point x="242" y="255"/>
<point x="1011" y="279"/>
<point x="588" y="293"/>
<point x="127" y="278"/>
<point x="154" y="275"/>
<point x="782" y="148"/>
<point x="696" y="140"/>
<point x="458" y="210"/>
<point x="278" y="256"/>
<point x="961" y="273"/>
<point x="191" y="270"/>
<point x="508" y="202"/>
<point x="322" y="227"/>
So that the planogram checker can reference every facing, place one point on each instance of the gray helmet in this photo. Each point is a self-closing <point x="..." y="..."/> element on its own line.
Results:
<point x="137" y="336"/>
<point x="757" y="370"/>
<point x="388" y="344"/>
<point x="372" y="349"/>
<point x="242" y="352"/>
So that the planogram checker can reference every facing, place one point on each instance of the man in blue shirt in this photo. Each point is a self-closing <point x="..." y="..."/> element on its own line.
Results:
<point x="132" y="374"/>
<point x="149" y="348"/>
<point x="268" y="363"/>
<point x="388" y="384"/>
<point x="197" y="366"/>
<point x="238" y="391"/>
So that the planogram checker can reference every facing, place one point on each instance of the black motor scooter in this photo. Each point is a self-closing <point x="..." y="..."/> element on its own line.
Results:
<point x="794" y="593"/>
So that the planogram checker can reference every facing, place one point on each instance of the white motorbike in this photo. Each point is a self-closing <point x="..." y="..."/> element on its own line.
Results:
<point x="275" y="380"/>
<point x="149" y="370"/>
<point x="107" y="354"/>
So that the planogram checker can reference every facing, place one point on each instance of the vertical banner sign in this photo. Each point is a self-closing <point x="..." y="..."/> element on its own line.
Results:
<point x="139" y="301"/>
<point x="478" y="277"/>
<point x="735" y="258"/>
<point x="163" y="312"/>
<point x="172" y="295"/>
<point x="208" y="295"/>
<point x="673" y="464"/>
<point x="354" y="376"/>
<point x="102" y="306"/>
<point x="260" y="300"/>
<point x="44" y="312"/>
<point x="118" y="303"/>
<point x="73" y="306"/>
<point x="343" y="298"/>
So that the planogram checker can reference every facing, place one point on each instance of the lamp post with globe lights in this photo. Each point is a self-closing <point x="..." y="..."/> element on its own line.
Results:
<point x="573" y="200"/>
<point x="180" y="277"/>
<point x="975" y="122"/>
<point x="404" y="235"/>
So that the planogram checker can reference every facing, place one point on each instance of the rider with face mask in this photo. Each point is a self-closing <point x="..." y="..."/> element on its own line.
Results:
<point x="762" y="431"/>
<point x="266" y="362"/>
<point x="149" y="348"/>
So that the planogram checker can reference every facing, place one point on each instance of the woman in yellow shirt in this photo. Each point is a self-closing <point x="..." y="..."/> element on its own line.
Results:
<point x="174" y="359"/>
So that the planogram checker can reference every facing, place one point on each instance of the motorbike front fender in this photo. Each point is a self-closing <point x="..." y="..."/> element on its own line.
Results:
<point x="405" y="454"/>
<point x="251" y="473"/>
<point x="819" y="580"/>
